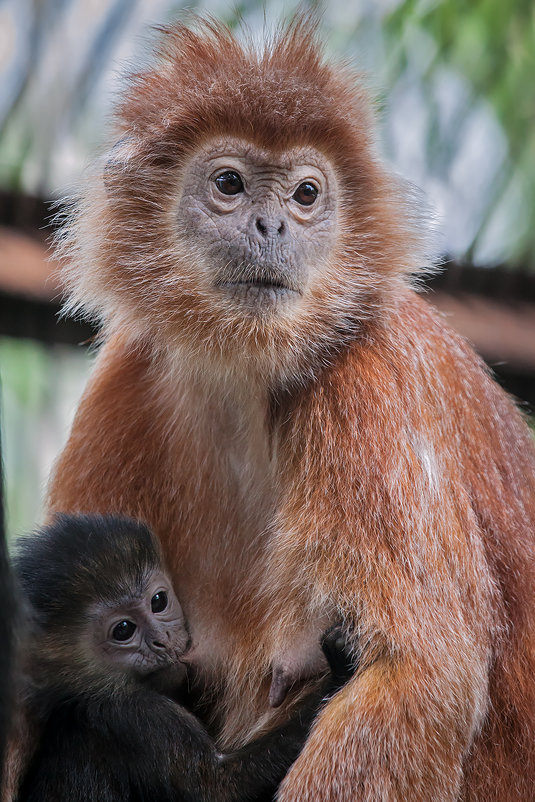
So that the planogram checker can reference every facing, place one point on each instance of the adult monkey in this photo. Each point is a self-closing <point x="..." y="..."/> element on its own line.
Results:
<point x="303" y="432"/>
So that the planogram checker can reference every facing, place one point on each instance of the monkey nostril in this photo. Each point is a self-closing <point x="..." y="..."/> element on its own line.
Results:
<point x="270" y="227"/>
<point x="158" y="644"/>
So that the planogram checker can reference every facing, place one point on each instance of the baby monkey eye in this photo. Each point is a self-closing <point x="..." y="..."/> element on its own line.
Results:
<point x="123" y="630"/>
<point x="158" y="603"/>
<point x="305" y="194"/>
<point x="229" y="183"/>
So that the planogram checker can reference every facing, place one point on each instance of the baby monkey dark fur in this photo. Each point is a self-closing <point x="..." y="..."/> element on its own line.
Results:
<point x="104" y="664"/>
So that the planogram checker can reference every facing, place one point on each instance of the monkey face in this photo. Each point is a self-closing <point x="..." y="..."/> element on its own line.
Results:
<point x="143" y="634"/>
<point x="262" y="223"/>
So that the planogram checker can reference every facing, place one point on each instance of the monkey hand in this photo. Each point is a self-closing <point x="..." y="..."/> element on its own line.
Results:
<point x="340" y="655"/>
<point x="308" y="661"/>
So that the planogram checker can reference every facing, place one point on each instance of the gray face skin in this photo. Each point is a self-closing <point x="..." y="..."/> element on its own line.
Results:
<point x="143" y="635"/>
<point x="264" y="222"/>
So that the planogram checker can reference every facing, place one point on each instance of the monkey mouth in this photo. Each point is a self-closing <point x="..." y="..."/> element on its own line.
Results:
<point x="265" y="282"/>
<point x="259" y="296"/>
<point x="266" y="291"/>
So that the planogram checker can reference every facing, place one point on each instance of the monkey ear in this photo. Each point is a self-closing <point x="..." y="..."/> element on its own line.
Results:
<point x="122" y="156"/>
<point x="130" y="154"/>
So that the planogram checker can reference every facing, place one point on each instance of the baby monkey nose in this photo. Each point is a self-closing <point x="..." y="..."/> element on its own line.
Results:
<point x="270" y="226"/>
<point x="160" y="642"/>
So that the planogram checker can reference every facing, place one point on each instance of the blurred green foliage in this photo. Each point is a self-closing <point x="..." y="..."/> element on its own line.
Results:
<point x="492" y="43"/>
<point x="40" y="388"/>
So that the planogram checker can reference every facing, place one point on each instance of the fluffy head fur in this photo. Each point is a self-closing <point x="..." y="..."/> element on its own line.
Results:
<point x="80" y="559"/>
<point x="126" y="261"/>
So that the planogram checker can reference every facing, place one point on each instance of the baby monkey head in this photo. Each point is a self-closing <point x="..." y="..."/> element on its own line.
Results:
<point x="104" y="607"/>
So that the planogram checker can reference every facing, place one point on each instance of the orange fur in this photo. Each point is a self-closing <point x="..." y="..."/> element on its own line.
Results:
<point x="353" y="458"/>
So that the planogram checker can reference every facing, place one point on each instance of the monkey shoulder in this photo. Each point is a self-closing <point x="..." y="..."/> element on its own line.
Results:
<point x="117" y="413"/>
<point x="122" y="372"/>
<point x="413" y="340"/>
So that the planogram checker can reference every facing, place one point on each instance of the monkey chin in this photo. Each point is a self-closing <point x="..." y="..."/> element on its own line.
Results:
<point x="167" y="679"/>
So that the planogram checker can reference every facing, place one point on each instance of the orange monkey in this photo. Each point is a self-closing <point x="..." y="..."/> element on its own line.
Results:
<point x="305" y="434"/>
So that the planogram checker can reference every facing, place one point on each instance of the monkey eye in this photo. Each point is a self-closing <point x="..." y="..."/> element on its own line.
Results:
<point x="229" y="183"/>
<point x="305" y="194"/>
<point x="123" y="630"/>
<point x="158" y="603"/>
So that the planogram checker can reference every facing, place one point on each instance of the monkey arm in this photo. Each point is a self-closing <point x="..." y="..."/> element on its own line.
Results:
<point x="104" y="451"/>
<point x="400" y="729"/>
<point x="392" y="540"/>
<point x="22" y="741"/>
<point x="255" y="771"/>
<point x="397" y="732"/>
<point x="141" y="745"/>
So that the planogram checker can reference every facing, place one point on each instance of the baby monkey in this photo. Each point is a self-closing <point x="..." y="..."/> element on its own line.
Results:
<point x="104" y="665"/>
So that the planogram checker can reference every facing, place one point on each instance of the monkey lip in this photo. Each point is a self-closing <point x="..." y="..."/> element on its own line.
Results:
<point x="259" y="290"/>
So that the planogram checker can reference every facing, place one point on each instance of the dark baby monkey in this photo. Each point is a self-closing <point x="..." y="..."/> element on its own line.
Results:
<point x="104" y="662"/>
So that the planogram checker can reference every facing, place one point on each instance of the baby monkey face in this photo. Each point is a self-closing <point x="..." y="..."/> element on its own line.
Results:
<point x="143" y="631"/>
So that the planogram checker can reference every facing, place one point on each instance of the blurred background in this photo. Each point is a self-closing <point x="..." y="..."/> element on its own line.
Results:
<point x="455" y="90"/>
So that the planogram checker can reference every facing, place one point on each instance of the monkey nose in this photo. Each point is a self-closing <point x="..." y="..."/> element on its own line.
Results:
<point x="160" y="643"/>
<point x="270" y="227"/>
